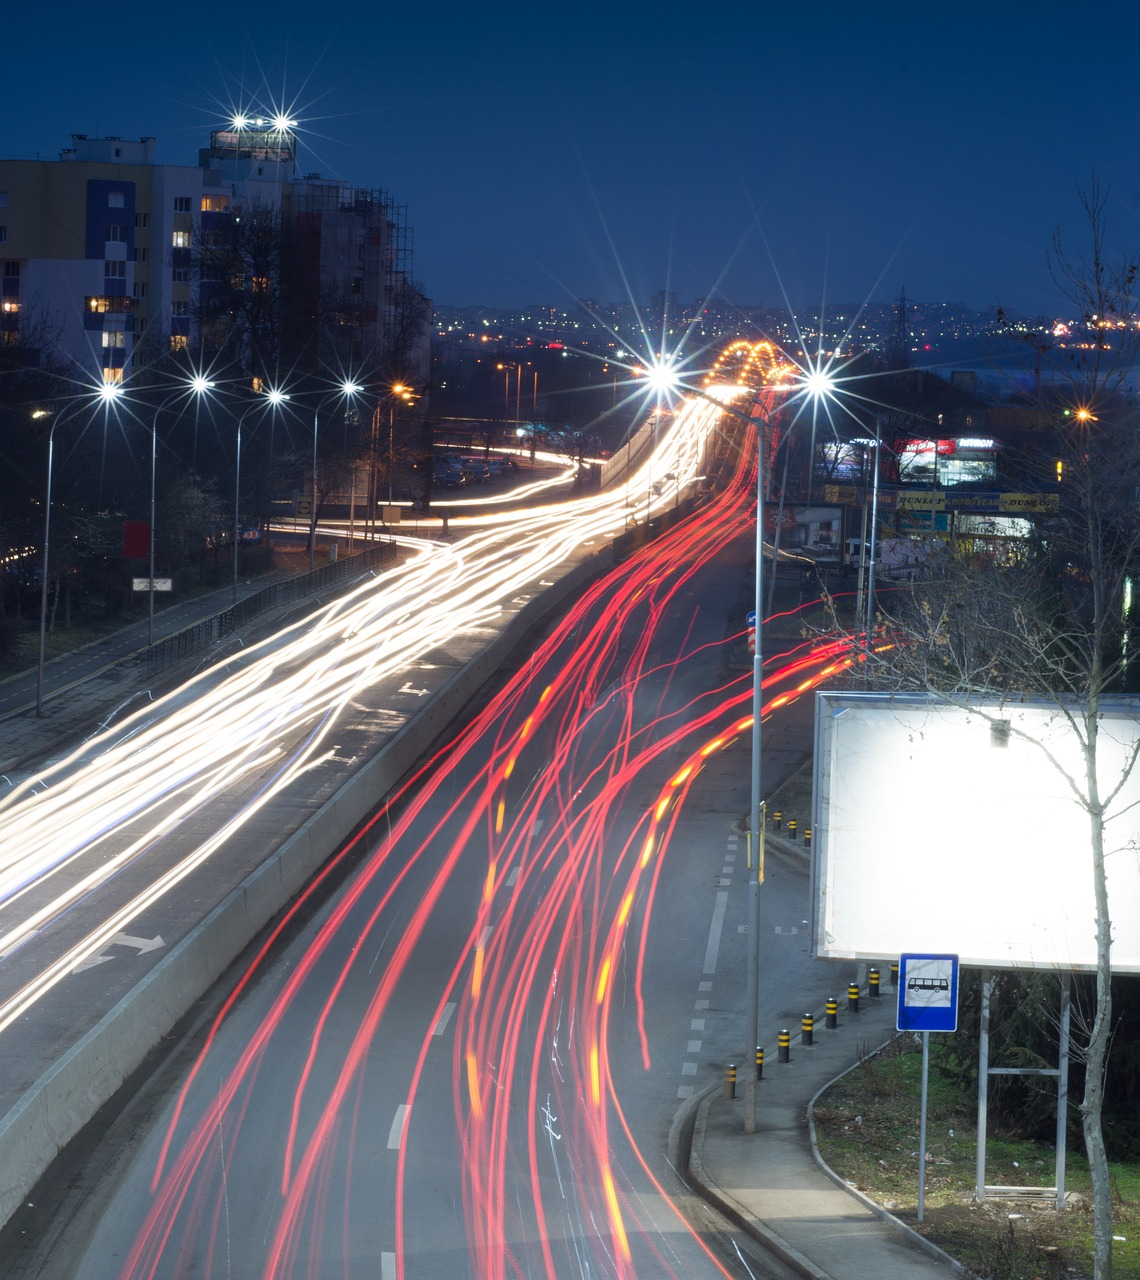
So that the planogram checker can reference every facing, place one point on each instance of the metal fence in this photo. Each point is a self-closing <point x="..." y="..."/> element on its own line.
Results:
<point x="202" y="635"/>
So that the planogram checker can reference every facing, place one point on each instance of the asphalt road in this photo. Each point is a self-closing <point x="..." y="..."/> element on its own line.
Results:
<point x="388" y="1176"/>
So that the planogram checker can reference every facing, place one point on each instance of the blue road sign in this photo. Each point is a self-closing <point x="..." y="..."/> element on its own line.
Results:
<point x="750" y="621"/>
<point x="928" y="993"/>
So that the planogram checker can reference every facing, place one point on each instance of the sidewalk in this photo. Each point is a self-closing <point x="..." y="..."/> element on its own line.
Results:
<point x="83" y="689"/>
<point x="772" y="1183"/>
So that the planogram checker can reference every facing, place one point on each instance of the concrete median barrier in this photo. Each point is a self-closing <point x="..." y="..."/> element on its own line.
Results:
<point x="71" y="1091"/>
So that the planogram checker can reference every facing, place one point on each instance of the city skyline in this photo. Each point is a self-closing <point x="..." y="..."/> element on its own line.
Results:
<point x="614" y="153"/>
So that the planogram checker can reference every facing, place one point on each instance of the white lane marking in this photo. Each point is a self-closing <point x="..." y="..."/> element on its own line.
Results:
<point x="697" y="1024"/>
<point x="722" y="884"/>
<point x="512" y="879"/>
<point x="788" y="932"/>
<point x="704" y="986"/>
<point x="487" y="931"/>
<point x="714" y="932"/>
<point x="730" y="857"/>
<point x="684" y="1091"/>
<point x="387" y="1266"/>
<point x="396" y="1132"/>
<point x="688" y="1068"/>
<point x="694" y="1046"/>
<point x="444" y="1018"/>
<point x="702" y="1004"/>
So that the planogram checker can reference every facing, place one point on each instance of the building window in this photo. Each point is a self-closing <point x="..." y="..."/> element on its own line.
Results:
<point x="3" y="234"/>
<point x="112" y="377"/>
<point x="116" y="200"/>
<point x="215" y="204"/>
<point x="11" y="270"/>
<point x="113" y="270"/>
<point x="101" y="304"/>
<point x="180" y="308"/>
<point x="179" y="342"/>
<point x="141" y="255"/>
<point x="181" y="240"/>
<point x="117" y="233"/>
<point x="180" y="275"/>
<point x="142" y="221"/>
<point x="114" y="339"/>
<point x="214" y="239"/>
<point x="140" y="289"/>
<point x="3" y="199"/>
<point x="181" y="204"/>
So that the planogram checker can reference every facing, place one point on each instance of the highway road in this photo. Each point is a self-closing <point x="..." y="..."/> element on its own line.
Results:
<point x="467" y="1059"/>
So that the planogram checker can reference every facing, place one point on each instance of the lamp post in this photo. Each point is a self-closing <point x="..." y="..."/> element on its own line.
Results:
<point x="107" y="392"/>
<point x="197" y="386"/>
<point x="347" y="388"/>
<point x="270" y="400"/>
<point x="813" y="385"/>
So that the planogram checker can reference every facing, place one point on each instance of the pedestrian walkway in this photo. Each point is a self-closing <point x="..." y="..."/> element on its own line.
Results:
<point x="771" y="1183"/>
<point x="82" y="688"/>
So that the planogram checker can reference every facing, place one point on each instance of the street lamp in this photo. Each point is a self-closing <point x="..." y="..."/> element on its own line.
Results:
<point x="346" y="388"/>
<point x="269" y="399"/>
<point x="105" y="394"/>
<point x="813" y="385"/>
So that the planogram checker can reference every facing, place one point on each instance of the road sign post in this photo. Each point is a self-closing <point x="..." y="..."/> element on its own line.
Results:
<point x="928" y="1001"/>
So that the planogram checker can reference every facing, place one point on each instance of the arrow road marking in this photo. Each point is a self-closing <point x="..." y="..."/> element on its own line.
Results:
<point x="141" y="945"/>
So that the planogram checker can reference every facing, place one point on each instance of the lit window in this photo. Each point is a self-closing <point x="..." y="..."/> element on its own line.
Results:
<point x="179" y="342"/>
<point x="112" y="377"/>
<point x="114" y="339"/>
<point x="181" y="204"/>
<point x="116" y="200"/>
<point x="181" y="240"/>
<point x="215" y="204"/>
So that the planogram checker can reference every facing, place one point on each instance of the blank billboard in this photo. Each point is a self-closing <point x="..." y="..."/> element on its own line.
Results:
<point x="937" y="830"/>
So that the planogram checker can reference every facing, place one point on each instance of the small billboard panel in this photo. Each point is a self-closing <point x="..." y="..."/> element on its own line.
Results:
<point x="961" y="830"/>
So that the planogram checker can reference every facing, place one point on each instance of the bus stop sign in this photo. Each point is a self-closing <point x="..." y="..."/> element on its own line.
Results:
<point x="928" y="993"/>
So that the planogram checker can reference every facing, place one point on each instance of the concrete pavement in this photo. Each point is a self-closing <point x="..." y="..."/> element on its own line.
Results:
<point x="773" y="1183"/>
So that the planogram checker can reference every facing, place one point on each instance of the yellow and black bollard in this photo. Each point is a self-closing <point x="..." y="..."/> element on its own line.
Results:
<point x="777" y="818"/>
<point x="807" y="837"/>
<point x="832" y="1013"/>
<point x="759" y="1063"/>
<point x="792" y="828"/>
<point x="784" y="1046"/>
<point x="807" y="1029"/>
<point x="730" y="1080"/>
<point x="853" y="998"/>
<point x="873" y="983"/>
<point x="895" y="974"/>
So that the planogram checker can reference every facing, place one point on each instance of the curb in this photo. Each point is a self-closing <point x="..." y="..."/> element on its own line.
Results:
<point x="885" y="1215"/>
<point x="734" y="1210"/>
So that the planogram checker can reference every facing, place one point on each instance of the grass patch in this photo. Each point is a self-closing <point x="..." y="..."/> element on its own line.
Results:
<point x="867" y="1127"/>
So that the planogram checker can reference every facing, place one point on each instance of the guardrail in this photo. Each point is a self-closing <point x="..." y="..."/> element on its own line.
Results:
<point x="201" y="635"/>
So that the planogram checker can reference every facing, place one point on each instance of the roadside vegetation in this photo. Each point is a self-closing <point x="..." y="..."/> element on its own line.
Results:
<point x="867" y="1128"/>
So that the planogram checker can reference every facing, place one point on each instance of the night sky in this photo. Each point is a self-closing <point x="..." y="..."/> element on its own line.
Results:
<point x="829" y="153"/>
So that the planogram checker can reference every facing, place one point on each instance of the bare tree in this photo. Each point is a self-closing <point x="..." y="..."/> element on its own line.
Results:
<point x="1055" y="622"/>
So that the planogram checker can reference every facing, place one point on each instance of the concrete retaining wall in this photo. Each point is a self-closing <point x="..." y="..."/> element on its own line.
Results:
<point x="69" y="1094"/>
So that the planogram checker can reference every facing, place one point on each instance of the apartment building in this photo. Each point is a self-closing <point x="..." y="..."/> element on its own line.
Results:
<point x="104" y="248"/>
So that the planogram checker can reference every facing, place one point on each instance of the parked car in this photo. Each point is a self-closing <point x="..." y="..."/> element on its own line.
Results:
<point x="479" y="471"/>
<point x="448" y="477"/>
